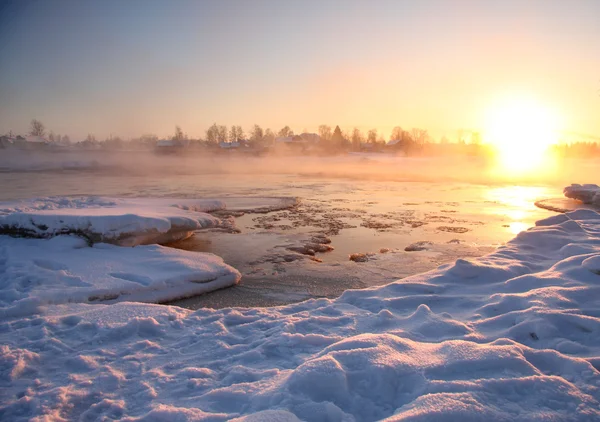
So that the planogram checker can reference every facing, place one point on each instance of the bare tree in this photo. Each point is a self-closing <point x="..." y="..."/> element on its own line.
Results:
<point x="51" y="136"/>
<point x="178" y="134"/>
<point x="396" y="134"/>
<point x="372" y="136"/>
<point x="286" y="131"/>
<point x="37" y="128"/>
<point x="257" y="134"/>
<point x="420" y="136"/>
<point x="222" y="133"/>
<point x="357" y="139"/>
<point x="212" y="134"/>
<point x="236" y="133"/>
<point x="269" y="136"/>
<point x="325" y="133"/>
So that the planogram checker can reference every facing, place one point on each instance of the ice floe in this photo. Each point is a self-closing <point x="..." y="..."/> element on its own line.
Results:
<point x="37" y="272"/>
<point x="514" y="335"/>
<point x="587" y="193"/>
<point x="123" y="221"/>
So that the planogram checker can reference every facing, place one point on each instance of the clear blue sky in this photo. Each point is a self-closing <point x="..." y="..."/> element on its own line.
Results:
<point x="131" y="67"/>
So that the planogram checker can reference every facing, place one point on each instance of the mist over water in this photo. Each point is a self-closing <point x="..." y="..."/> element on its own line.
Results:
<point x="353" y="166"/>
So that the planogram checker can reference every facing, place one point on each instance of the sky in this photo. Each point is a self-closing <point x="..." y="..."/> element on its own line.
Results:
<point x="132" y="67"/>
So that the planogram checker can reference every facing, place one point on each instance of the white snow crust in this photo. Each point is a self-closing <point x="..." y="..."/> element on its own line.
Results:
<point x="586" y="193"/>
<point x="37" y="272"/>
<point x="123" y="221"/>
<point x="512" y="336"/>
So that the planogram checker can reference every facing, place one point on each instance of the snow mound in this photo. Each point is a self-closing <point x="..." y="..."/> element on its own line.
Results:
<point x="587" y="193"/>
<point x="512" y="336"/>
<point x="36" y="272"/>
<point x="122" y="221"/>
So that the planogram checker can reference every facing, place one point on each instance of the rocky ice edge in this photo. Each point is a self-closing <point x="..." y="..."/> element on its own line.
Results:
<point x="123" y="221"/>
<point x="63" y="269"/>
<point x="514" y="335"/>
<point x="587" y="193"/>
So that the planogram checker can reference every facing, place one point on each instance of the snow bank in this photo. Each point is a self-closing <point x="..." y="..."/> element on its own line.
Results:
<point x="587" y="193"/>
<point x="126" y="222"/>
<point x="123" y="221"/>
<point x="35" y="272"/>
<point x="511" y="336"/>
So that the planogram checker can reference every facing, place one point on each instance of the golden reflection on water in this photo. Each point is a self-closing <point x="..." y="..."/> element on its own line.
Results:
<point x="518" y="204"/>
<point x="518" y="227"/>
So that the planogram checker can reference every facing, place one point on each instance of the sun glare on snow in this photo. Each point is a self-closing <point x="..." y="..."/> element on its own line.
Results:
<point x="521" y="132"/>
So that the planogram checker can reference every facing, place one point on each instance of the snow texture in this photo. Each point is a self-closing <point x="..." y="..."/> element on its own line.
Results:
<point x="37" y="272"/>
<point x="587" y="193"/>
<point x="512" y="336"/>
<point x="123" y="221"/>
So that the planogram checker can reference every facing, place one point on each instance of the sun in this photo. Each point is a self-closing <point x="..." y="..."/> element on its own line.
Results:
<point x="521" y="130"/>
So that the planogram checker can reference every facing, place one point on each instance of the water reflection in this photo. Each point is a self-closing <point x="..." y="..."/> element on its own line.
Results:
<point x="518" y="205"/>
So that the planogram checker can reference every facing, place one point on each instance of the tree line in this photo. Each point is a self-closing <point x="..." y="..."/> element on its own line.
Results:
<point x="333" y="140"/>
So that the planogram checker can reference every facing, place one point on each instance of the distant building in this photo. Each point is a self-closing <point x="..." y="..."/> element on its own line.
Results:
<point x="27" y="142"/>
<point x="311" y="137"/>
<point x="169" y="146"/>
<point x="229" y="145"/>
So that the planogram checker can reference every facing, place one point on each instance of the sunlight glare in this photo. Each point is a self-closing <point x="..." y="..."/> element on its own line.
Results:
<point x="521" y="132"/>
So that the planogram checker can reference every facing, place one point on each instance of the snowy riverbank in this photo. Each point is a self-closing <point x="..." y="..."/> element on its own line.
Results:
<point x="513" y="335"/>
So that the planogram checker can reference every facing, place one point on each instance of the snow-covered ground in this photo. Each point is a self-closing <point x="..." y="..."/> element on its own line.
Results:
<point x="514" y="335"/>
<point x="123" y="221"/>
<point x="588" y="193"/>
<point x="63" y="269"/>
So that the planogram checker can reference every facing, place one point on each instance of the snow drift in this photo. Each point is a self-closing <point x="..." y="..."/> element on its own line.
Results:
<point x="511" y="336"/>
<point x="123" y="221"/>
<point x="36" y="272"/>
<point x="587" y="193"/>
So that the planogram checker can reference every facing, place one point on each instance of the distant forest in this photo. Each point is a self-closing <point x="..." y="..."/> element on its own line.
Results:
<point x="327" y="140"/>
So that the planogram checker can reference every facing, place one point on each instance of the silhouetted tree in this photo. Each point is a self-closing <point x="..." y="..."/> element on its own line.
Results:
<point x="236" y="133"/>
<point x="37" y="128"/>
<point x="357" y="139"/>
<point x="269" y="137"/>
<point x="212" y="134"/>
<point x="222" y="133"/>
<point x="286" y="131"/>
<point x="325" y="134"/>
<point x="178" y="136"/>
<point x="420" y="136"/>
<point x="256" y="135"/>
<point x="113" y="142"/>
<point x="372" y="136"/>
<point x="396" y="133"/>
<point x="337" y="139"/>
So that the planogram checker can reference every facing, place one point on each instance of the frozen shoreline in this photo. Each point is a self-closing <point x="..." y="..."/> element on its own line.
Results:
<point x="509" y="336"/>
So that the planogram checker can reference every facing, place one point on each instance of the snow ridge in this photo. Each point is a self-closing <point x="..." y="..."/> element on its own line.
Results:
<point x="512" y="336"/>
<point x="587" y="193"/>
